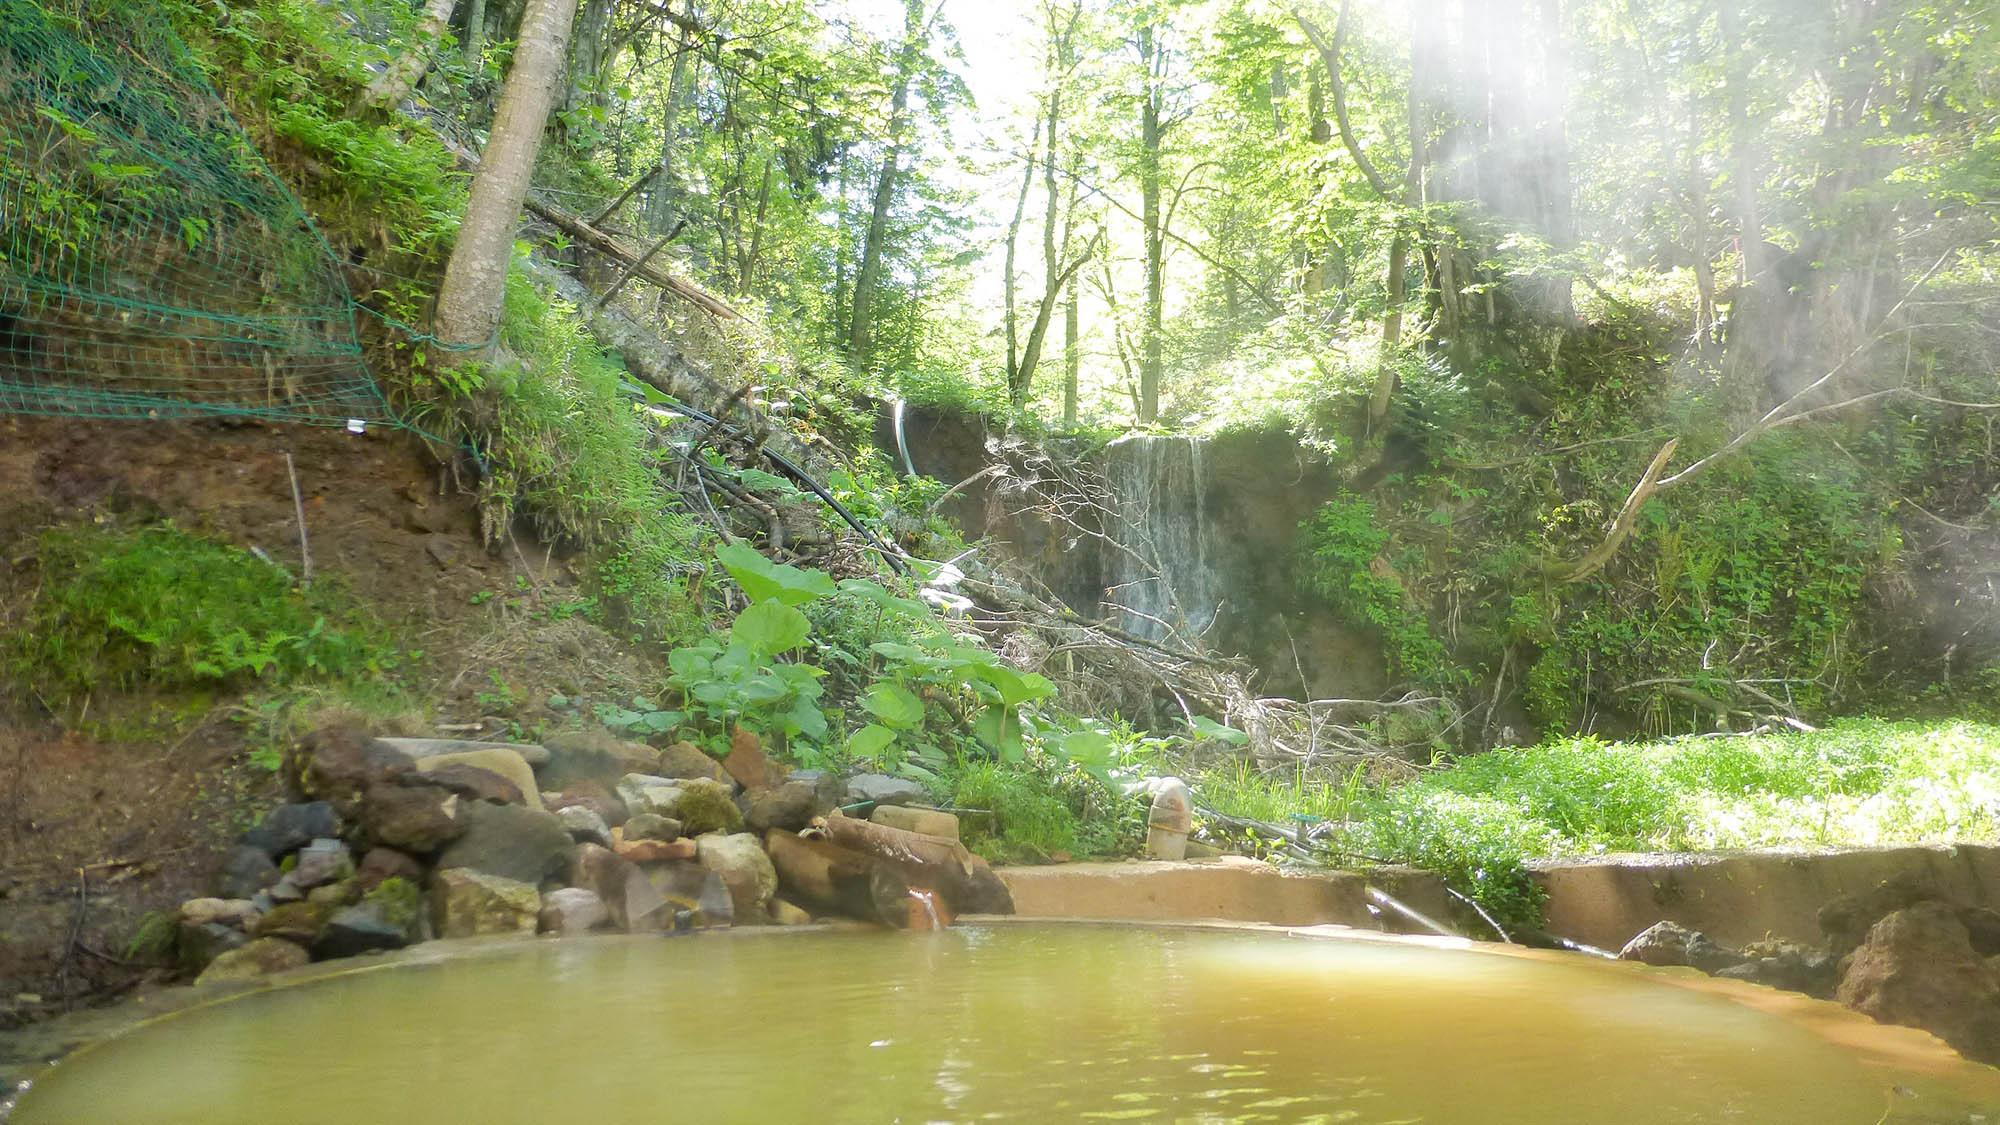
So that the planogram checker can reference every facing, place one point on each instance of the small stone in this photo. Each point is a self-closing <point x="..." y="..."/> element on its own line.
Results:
<point x="246" y="869"/>
<point x="256" y="959"/>
<point x="298" y="922"/>
<point x="741" y="863"/>
<point x="685" y="759"/>
<point x="791" y="804"/>
<point x="443" y="550"/>
<point x="227" y="911"/>
<point x="785" y="914"/>
<point x="533" y="754"/>
<point x="516" y="779"/>
<point x="290" y="827"/>
<point x="572" y="910"/>
<point x="362" y="928"/>
<point x="284" y="891"/>
<point x="652" y="826"/>
<point x="320" y="862"/>
<point x="929" y="822"/>
<point x="475" y="784"/>
<point x="418" y="819"/>
<point x="593" y="795"/>
<point x="648" y="793"/>
<point x="584" y="825"/>
<point x="882" y="789"/>
<point x="468" y="903"/>
<point x="654" y="851"/>
<point x="511" y="841"/>
<point x="382" y="864"/>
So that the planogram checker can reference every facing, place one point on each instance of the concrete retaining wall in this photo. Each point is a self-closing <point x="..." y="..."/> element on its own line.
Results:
<point x="1741" y="897"/>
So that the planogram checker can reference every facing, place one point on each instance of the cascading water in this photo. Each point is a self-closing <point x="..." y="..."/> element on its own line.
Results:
<point x="1165" y="575"/>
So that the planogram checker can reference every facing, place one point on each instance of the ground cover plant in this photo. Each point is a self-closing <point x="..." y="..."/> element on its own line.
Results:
<point x="1474" y="820"/>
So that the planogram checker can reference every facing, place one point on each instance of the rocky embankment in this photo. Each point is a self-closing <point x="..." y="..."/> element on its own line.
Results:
<point x="1902" y="953"/>
<point x="389" y="842"/>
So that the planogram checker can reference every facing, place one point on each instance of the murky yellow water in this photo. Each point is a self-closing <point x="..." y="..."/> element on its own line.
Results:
<point x="1048" y="1024"/>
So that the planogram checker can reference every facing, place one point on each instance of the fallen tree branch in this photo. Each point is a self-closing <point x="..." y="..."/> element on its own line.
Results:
<point x="1621" y="528"/>
<point x="611" y="248"/>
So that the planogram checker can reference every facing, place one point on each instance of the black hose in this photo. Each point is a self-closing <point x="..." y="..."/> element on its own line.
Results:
<point x="785" y="466"/>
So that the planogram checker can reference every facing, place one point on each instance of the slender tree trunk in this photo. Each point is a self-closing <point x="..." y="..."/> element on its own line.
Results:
<point x="1150" y="109"/>
<point x="1010" y="287"/>
<point x="1072" y="352"/>
<point x="587" y="56"/>
<point x="389" y="88"/>
<point x="475" y="280"/>
<point x="860" y="330"/>
<point x="660" y="204"/>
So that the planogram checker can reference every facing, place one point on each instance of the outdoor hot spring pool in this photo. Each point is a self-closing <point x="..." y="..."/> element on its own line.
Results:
<point x="1007" y="1022"/>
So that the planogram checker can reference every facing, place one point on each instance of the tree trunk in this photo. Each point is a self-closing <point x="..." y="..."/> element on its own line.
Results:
<point x="1011" y="311"/>
<point x="660" y="204"/>
<point x="860" y="330"/>
<point x="475" y="280"/>
<point x="475" y="34"/>
<point x="1072" y="356"/>
<point x="1749" y="230"/>
<point x="587" y="57"/>
<point x="1150" y="109"/>
<point x="389" y="88"/>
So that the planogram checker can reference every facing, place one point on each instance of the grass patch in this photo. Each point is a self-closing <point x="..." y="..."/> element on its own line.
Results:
<point x="157" y="608"/>
<point x="1857" y="782"/>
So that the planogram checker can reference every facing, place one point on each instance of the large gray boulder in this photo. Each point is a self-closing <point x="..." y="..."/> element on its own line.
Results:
<point x="511" y="841"/>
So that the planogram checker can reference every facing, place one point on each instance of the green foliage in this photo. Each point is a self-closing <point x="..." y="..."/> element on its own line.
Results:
<point x="1344" y="545"/>
<point x="157" y="608"/>
<point x="1858" y="782"/>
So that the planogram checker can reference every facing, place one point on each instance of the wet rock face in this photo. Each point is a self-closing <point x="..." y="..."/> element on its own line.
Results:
<point x="1918" y="968"/>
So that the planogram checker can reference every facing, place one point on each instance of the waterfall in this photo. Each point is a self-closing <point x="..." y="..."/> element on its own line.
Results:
<point x="1159" y="492"/>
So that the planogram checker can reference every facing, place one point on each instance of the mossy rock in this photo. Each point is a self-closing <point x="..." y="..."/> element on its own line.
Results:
<point x="705" y="806"/>
<point x="401" y="901"/>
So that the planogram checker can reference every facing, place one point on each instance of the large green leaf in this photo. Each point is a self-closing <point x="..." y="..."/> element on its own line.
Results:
<point x="1209" y="728"/>
<point x="769" y="628"/>
<point x="870" y="741"/>
<point x="1015" y="687"/>
<point x="763" y="579"/>
<point x="895" y="705"/>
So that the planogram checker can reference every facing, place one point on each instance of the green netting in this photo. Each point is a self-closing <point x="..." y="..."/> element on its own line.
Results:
<point x="150" y="263"/>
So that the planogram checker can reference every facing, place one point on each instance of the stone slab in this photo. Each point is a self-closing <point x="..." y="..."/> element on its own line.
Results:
<point x="1741" y="897"/>
<point x="1156" y="892"/>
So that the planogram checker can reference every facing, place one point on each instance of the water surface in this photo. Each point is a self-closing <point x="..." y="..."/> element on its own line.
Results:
<point x="1057" y="1023"/>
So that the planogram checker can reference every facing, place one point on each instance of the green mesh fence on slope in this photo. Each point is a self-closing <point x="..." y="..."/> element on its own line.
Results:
<point x="150" y="264"/>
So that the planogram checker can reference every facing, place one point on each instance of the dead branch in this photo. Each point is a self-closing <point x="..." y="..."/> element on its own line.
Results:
<point x="1621" y="528"/>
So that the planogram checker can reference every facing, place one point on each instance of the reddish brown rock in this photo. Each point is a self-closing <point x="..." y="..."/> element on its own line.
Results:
<point x="1918" y="968"/>
<point x="387" y="863"/>
<point x="339" y="764"/>
<point x="746" y="762"/>
<point x="593" y="795"/>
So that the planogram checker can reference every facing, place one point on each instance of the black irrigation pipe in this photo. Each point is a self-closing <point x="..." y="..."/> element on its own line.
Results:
<point x="785" y="466"/>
